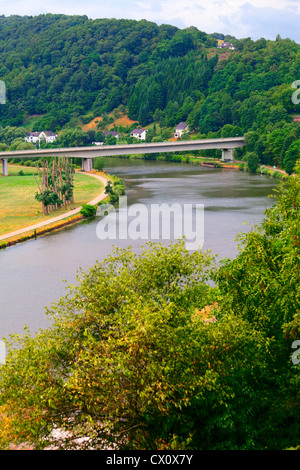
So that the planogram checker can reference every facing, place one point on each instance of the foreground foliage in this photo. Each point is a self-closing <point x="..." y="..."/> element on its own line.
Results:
<point x="144" y="354"/>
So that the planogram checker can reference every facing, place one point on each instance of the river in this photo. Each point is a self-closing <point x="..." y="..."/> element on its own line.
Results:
<point x="33" y="274"/>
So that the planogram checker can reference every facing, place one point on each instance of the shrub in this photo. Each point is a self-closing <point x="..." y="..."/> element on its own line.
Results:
<point x="99" y="163"/>
<point x="87" y="210"/>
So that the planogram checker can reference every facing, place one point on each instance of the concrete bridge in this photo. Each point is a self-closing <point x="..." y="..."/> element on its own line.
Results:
<point x="227" y="146"/>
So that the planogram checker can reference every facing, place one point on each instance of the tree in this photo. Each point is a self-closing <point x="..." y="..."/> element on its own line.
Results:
<point x="278" y="113"/>
<point x="140" y="356"/>
<point x="262" y="286"/>
<point x="55" y="183"/>
<point x="253" y="161"/>
<point x="114" y="190"/>
<point x="231" y="131"/>
<point x="251" y="138"/>
<point x="99" y="163"/>
<point x="9" y="134"/>
<point x="291" y="156"/>
<point x="131" y="360"/>
<point x="111" y="140"/>
<point x="99" y="136"/>
<point x="264" y="277"/>
<point x="19" y="144"/>
<point x="72" y="137"/>
<point x="137" y="332"/>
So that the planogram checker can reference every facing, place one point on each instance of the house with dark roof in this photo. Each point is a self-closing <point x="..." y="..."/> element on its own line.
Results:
<point x="180" y="129"/>
<point x="226" y="45"/>
<point x="44" y="136"/>
<point x="32" y="137"/>
<point x="48" y="136"/>
<point x="139" y="134"/>
<point x="113" y="133"/>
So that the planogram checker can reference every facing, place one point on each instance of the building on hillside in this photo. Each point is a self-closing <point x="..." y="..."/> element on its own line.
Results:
<point x="139" y="134"/>
<point x="32" y="137"/>
<point x="113" y="133"/>
<point x="48" y="136"/>
<point x="38" y="137"/>
<point x="226" y="45"/>
<point x="181" y="128"/>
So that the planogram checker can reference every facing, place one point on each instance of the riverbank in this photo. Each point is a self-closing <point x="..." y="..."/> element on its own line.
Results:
<point x="55" y="223"/>
<point x="276" y="173"/>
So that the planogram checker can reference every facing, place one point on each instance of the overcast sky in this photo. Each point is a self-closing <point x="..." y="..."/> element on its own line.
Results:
<point x="240" y="18"/>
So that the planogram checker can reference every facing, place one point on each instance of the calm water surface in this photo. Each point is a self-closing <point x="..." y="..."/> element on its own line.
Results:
<point x="32" y="274"/>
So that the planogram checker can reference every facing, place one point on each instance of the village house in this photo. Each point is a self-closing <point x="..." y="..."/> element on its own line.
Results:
<point x="180" y="129"/>
<point x="32" y="137"/>
<point x="113" y="133"/>
<point x="38" y="137"/>
<point x="226" y="45"/>
<point x="139" y="134"/>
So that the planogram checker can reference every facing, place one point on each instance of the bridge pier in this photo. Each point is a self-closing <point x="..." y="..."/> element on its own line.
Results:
<point x="87" y="164"/>
<point x="4" y="166"/>
<point x="227" y="155"/>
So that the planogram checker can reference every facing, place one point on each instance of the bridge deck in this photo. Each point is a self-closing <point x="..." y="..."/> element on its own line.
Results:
<point x="127" y="149"/>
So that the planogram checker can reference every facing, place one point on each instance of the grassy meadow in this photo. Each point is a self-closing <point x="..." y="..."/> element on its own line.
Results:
<point x="18" y="206"/>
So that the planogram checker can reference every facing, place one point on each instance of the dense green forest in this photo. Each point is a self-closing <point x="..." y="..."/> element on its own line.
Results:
<point x="68" y="69"/>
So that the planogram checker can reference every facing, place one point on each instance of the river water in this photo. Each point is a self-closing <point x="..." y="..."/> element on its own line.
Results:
<point x="33" y="274"/>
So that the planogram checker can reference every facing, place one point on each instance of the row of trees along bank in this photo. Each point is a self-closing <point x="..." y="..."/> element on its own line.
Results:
<point x="55" y="183"/>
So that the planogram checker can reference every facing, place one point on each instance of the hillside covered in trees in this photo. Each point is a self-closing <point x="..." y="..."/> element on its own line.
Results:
<point x="66" y="70"/>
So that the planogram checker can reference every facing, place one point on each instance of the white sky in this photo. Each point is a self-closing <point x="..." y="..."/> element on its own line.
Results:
<point x="240" y="18"/>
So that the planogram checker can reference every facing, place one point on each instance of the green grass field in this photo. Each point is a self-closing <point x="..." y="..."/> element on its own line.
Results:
<point x="18" y="206"/>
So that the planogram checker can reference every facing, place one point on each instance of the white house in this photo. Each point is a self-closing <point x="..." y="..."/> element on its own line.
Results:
<point x="139" y="133"/>
<point x="44" y="136"/>
<point x="32" y="137"/>
<point x="180" y="129"/>
<point x="48" y="136"/>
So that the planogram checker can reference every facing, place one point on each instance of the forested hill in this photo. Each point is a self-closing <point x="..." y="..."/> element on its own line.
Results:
<point x="70" y="68"/>
<point x="67" y="65"/>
